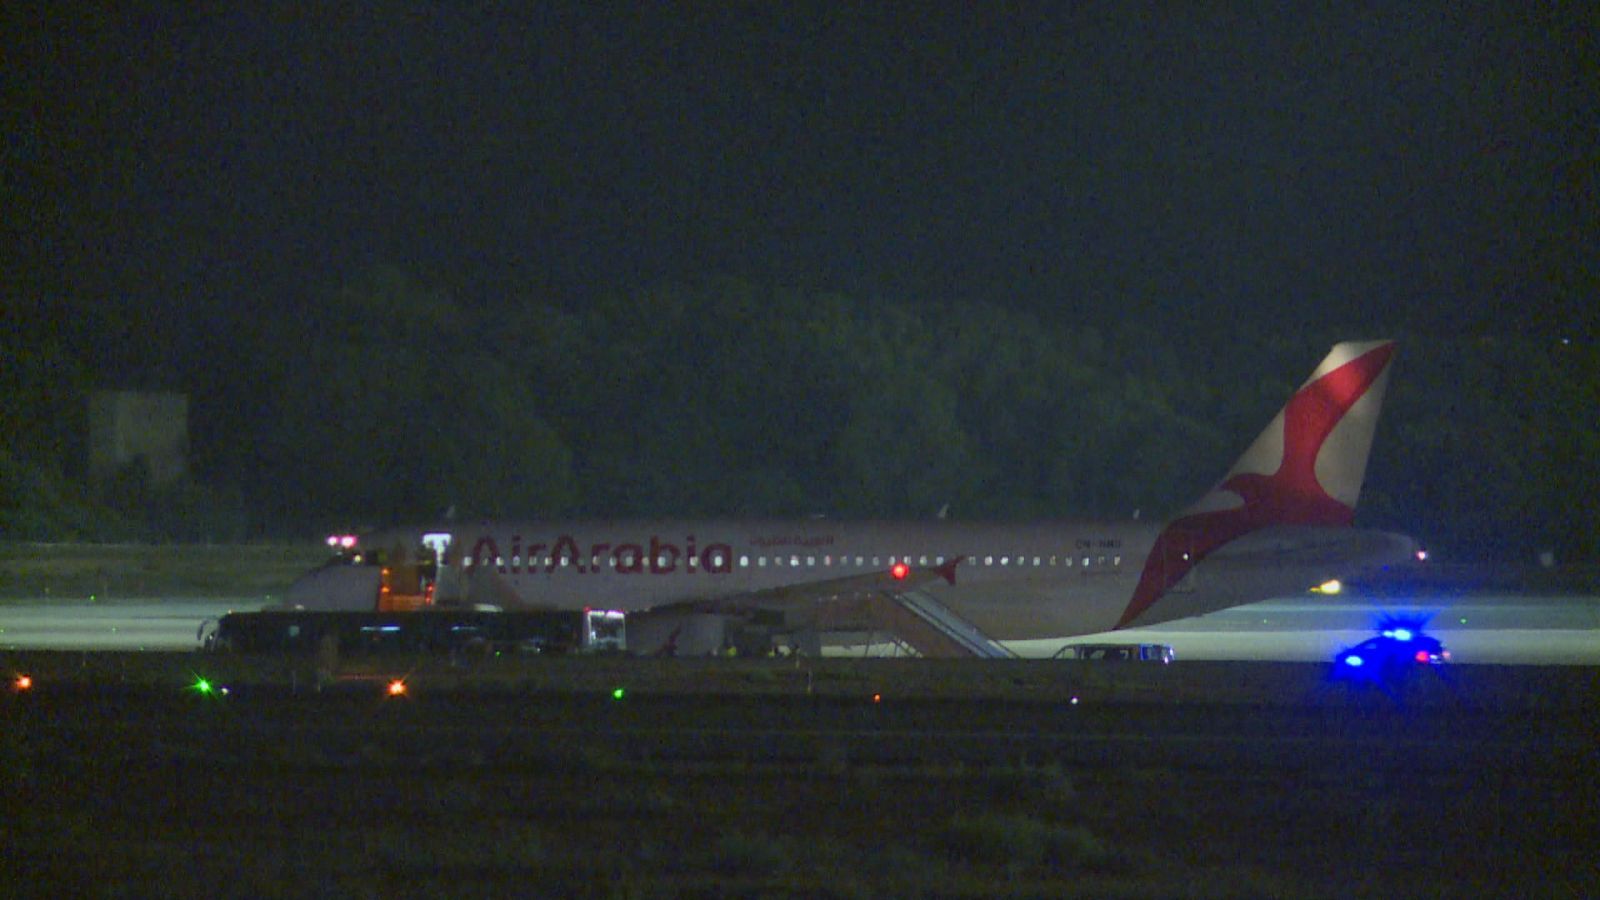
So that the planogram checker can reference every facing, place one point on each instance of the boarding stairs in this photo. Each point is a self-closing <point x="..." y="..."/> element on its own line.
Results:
<point x="931" y="628"/>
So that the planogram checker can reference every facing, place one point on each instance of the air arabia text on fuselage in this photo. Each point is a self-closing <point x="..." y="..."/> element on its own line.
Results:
<point x="654" y="557"/>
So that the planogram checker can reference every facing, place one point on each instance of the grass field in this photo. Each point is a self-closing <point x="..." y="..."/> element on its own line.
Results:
<point x="125" y="571"/>
<point x="139" y="791"/>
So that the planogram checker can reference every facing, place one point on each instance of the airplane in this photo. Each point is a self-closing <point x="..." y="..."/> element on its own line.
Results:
<point x="1279" y="522"/>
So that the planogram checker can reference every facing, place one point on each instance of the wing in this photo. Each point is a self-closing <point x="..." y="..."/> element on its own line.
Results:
<point x="888" y="603"/>
<point x="811" y="599"/>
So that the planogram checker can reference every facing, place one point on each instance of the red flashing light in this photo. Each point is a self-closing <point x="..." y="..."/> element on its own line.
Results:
<point x="1421" y="656"/>
<point x="899" y="570"/>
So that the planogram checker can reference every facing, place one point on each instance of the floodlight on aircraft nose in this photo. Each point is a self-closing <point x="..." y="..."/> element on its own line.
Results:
<point x="347" y="541"/>
<point x="899" y="570"/>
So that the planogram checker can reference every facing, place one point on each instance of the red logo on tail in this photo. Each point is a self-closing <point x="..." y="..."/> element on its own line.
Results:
<point x="1290" y="496"/>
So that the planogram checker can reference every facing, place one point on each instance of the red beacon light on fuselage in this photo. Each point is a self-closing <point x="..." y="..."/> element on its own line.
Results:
<point x="899" y="570"/>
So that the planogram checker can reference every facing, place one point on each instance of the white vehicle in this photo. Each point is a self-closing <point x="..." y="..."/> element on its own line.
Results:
<point x="1161" y="653"/>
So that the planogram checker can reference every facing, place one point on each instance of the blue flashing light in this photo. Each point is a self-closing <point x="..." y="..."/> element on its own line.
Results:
<point x="1354" y="661"/>
<point x="1399" y="634"/>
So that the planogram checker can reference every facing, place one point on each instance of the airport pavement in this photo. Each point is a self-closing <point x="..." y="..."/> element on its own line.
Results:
<point x="1483" y="628"/>
<point x="153" y="624"/>
<point x="1502" y="629"/>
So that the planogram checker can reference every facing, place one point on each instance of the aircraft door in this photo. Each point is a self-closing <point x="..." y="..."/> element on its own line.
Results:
<point x="409" y="577"/>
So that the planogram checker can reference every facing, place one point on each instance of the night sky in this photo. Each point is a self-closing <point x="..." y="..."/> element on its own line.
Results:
<point x="1421" y="167"/>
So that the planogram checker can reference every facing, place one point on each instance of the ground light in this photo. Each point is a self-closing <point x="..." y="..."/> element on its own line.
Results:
<point x="23" y="683"/>
<point x="397" y="687"/>
<point x="617" y="693"/>
<point x="203" y="687"/>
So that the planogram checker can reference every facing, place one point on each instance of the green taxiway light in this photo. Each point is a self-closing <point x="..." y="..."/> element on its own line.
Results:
<point x="617" y="693"/>
<point x="201" y="686"/>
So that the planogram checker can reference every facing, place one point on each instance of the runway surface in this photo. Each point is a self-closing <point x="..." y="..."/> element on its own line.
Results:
<point x="1480" y="628"/>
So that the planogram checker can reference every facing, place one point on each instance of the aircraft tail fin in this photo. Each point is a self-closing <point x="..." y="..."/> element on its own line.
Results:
<point x="1305" y="468"/>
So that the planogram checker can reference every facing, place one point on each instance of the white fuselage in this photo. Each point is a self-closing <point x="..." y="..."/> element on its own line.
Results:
<point x="1015" y="581"/>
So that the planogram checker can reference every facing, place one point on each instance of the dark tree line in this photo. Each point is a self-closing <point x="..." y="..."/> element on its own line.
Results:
<point x="386" y="400"/>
